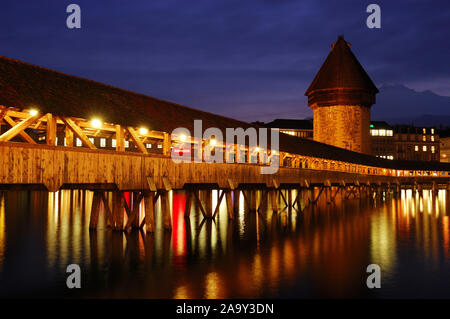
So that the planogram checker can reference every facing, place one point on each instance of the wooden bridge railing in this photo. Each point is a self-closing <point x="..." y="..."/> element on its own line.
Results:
<point x="33" y="128"/>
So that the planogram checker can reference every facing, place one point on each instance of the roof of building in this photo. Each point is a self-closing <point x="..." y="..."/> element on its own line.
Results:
<point x="380" y="125"/>
<point x="410" y="129"/>
<point x="24" y="85"/>
<point x="341" y="69"/>
<point x="291" y="124"/>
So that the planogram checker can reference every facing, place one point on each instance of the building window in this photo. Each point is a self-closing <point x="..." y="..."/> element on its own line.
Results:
<point x="424" y="131"/>
<point x="374" y="132"/>
<point x="127" y="144"/>
<point x="390" y="133"/>
<point x="79" y="144"/>
<point x="148" y="145"/>
<point x="416" y="148"/>
<point x="382" y="132"/>
<point x="424" y="148"/>
<point x="91" y="139"/>
<point x="159" y="145"/>
<point x="65" y="143"/>
<point x="433" y="149"/>
<point x="424" y="138"/>
<point x="103" y="142"/>
<point x="432" y="138"/>
<point x="432" y="131"/>
<point x="114" y="143"/>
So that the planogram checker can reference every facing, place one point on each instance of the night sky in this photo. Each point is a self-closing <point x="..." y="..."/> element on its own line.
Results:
<point x="247" y="59"/>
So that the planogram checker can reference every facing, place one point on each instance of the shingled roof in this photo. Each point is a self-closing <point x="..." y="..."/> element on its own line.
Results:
<point x="24" y="85"/>
<point x="341" y="70"/>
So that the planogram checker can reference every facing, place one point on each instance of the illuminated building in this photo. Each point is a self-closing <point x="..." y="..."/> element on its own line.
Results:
<point x="416" y="143"/>
<point x="382" y="140"/>
<point x="299" y="128"/>
<point x="340" y="96"/>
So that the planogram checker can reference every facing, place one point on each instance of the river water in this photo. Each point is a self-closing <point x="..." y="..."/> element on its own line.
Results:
<point x="320" y="252"/>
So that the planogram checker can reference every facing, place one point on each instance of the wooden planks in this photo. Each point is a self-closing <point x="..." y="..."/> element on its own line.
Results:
<point x="23" y="164"/>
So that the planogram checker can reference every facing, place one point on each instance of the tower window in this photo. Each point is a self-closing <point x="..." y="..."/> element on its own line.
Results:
<point x="424" y="148"/>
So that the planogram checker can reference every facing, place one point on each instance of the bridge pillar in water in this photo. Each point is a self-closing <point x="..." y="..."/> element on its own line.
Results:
<point x="149" y="212"/>
<point x="434" y="189"/>
<point x="165" y="210"/>
<point x="273" y="194"/>
<point x="118" y="202"/>
<point x="236" y="199"/>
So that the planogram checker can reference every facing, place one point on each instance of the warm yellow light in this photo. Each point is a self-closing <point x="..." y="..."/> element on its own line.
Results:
<point x="34" y="112"/>
<point x="96" y="123"/>
<point x="257" y="149"/>
<point x="213" y="142"/>
<point x="143" y="131"/>
<point x="183" y="137"/>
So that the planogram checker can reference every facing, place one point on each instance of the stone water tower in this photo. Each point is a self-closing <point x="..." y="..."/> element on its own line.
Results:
<point x="341" y="95"/>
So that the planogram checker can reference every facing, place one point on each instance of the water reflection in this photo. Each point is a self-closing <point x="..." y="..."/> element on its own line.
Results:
<point x="322" y="251"/>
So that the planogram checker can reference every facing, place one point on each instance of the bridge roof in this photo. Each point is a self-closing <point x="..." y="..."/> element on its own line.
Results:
<point x="24" y="86"/>
<point x="341" y="70"/>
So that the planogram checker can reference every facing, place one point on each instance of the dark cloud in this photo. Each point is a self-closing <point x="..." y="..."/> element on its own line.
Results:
<point x="248" y="59"/>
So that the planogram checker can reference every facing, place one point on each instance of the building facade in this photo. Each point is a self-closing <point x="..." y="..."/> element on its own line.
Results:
<point x="341" y="95"/>
<point x="382" y="140"/>
<point x="416" y="143"/>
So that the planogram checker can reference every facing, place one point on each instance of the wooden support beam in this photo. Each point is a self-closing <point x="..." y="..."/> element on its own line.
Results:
<point x="16" y="129"/>
<point x="133" y="218"/>
<point x="118" y="207"/>
<point x="95" y="210"/>
<point x="218" y="204"/>
<point x="166" y="144"/>
<point x="229" y="200"/>
<point x="136" y="140"/>
<point x="149" y="212"/>
<point x="51" y="129"/>
<point x="200" y="203"/>
<point x="208" y="203"/>
<point x="263" y="202"/>
<point x="120" y="140"/>
<point x="318" y="195"/>
<point x="274" y="199"/>
<point x="69" y="137"/>
<point x="165" y="208"/>
<point x="109" y="216"/>
<point x="283" y="197"/>
<point x="78" y="132"/>
<point x="187" y="208"/>
<point x="22" y="134"/>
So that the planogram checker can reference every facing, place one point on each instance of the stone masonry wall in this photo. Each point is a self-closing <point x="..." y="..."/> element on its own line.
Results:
<point x="345" y="126"/>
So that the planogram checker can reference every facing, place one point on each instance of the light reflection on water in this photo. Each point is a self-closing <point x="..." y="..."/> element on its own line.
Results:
<point x="320" y="252"/>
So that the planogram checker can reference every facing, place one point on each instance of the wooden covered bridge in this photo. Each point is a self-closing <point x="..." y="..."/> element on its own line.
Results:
<point x="63" y="132"/>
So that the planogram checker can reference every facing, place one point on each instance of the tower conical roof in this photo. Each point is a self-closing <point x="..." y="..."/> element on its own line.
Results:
<point x="341" y="70"/>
